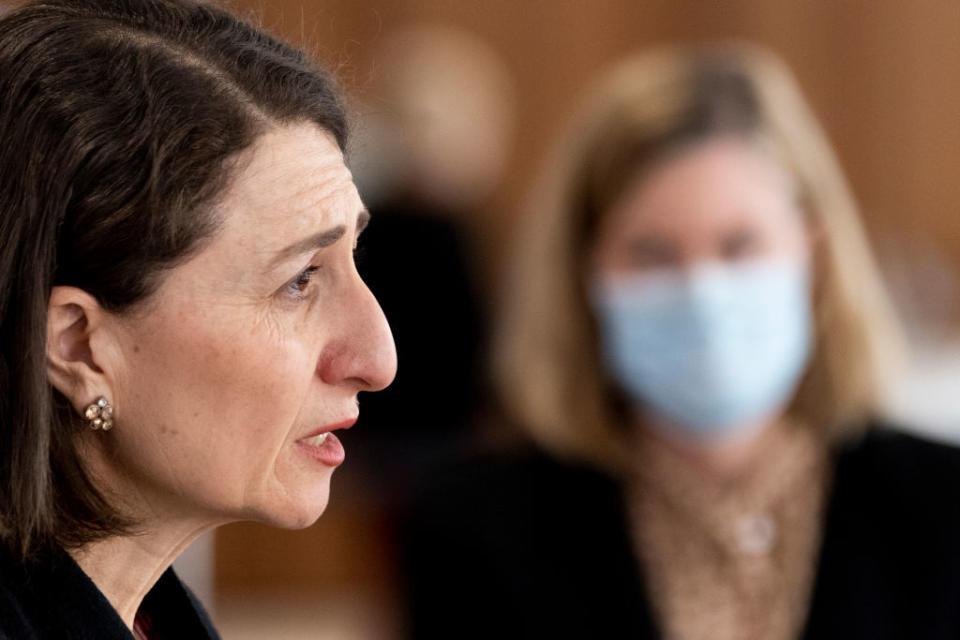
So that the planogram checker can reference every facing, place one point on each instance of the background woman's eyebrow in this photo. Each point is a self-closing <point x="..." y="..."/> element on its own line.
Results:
<point x="315" y="241"/>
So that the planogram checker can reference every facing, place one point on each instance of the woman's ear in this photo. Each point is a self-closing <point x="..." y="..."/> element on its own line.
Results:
<point x="74" y="366"/>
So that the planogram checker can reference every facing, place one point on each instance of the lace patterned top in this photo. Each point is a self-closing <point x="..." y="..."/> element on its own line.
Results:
<point x="731" y="558"/>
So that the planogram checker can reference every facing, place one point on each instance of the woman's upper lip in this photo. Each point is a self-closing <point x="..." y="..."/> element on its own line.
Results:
<point x="343" y="424"/>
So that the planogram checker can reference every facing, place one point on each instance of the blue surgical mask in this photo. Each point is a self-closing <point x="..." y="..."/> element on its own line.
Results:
<point x="713" y="350"/>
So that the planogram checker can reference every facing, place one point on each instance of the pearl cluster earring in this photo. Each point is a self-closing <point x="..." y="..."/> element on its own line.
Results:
<point x="100" y="414"/>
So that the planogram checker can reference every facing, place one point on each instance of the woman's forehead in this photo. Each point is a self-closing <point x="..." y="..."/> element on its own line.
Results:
<point x="292" y="180"/>
<point x="716" y="179"/>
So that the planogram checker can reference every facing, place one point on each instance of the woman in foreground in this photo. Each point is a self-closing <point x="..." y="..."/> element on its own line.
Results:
<point x="697" y="338"/>
<point x="182" y="329"/>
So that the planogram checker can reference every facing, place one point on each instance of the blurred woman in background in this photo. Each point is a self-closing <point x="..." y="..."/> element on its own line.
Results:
<point x="697" y="339"/>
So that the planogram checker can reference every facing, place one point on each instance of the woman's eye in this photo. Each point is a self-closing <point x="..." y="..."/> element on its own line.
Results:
<point x="298" y="286"/>
<point x="648" y="252"/>
<point x="741" y="244"/>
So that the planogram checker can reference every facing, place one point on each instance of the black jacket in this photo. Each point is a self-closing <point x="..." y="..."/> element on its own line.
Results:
<point x="53" y="599"/>
<point x="532" y="548"/>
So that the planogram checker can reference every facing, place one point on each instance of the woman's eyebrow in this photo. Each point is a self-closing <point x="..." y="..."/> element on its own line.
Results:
<point x="318" y="240"/>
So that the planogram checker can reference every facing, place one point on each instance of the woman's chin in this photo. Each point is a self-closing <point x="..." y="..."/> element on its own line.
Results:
<point x="296" y="512"/>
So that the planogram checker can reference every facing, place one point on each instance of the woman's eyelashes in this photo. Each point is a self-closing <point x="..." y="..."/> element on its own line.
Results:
<point x="299" y="286"/>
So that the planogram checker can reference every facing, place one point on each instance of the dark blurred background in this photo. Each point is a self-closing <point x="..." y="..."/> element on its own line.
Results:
<point x="882" y="76"/>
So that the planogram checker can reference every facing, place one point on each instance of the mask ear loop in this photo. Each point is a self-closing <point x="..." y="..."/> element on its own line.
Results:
<point x="99" y="414"/>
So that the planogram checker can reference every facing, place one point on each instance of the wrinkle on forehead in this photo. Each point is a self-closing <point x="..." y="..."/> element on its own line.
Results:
<point x="294" y="183"/>
<point x="291" y="169"/>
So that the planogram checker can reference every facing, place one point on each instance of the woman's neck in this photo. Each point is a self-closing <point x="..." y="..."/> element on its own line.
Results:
<point x="125" y="568"/>
<point x="726" y="460"/>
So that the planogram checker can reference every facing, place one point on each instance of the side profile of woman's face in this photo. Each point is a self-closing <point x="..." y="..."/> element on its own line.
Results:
<point x="252" y="349"/>
<point x="701" y="285"/>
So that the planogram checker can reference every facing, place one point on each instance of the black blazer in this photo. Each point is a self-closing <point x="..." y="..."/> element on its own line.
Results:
<point x="534" y="548"/>
<point x="53" y="599"/>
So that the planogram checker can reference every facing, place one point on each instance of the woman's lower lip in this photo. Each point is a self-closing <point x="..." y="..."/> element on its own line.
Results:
<point x="330" y="453"/>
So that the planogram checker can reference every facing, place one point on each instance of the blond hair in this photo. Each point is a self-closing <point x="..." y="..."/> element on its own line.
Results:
<point x="547" y="361"/>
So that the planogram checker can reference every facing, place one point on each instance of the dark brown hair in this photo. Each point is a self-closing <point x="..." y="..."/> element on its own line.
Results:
<point x="118" y="121"/>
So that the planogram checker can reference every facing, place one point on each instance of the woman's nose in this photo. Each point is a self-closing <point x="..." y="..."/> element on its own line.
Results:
<point x="364" y="353"/>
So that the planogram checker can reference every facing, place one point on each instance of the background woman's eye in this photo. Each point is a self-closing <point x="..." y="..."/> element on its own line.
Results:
<point x="299" y="284"/>
<point x="740" y="244"/>
<point x="653" y="253"/>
